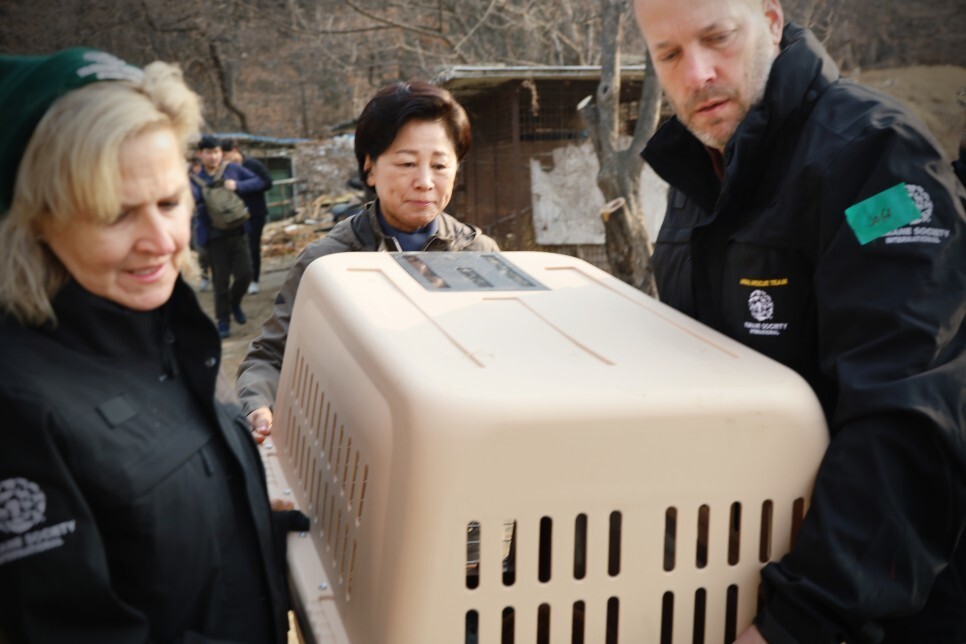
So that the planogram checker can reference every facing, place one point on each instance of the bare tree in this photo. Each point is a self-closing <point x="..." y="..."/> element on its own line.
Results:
<point x="619" y="178"/>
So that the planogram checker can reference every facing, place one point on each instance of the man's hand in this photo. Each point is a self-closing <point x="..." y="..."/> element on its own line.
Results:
<point x="260" y="421"/>
<point x="751" y="636"/>
<point x="231" y="184"/>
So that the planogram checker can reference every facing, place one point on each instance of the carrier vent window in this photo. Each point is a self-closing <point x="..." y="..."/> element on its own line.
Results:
<point x="580" y="546"/>
<point x="764" y="541"/>
<point x="342" y="549"/>
<point x="614" y="545"/>
<point x="325" y="427"/>
<point x="670" y="537"/>
<point x="355" y="479"/>
<point x="345" y="465"/>
<point x="314" y="409"/>
<point x="473" y="555"/>
<point x="352" y="571"/>
<point x="290" y="433"/>
<point x="577" y="623"/>
<point x="338" y="458"/>
<point x="546" y="549"/>
<point x="543" y="624"/>
<point x="700" y="606"/>
<point x="613" y="620"/>
<point x="701" y="555"/>
<point x="734" y="534"/>
<point x="507" y="635"/>
<point x="472" y="627"/>
<point x="362" y="493"/>
<point x="731" y="614"/>
<point x="667" y="618"/>
<point x="509" y="553"/>
<point x="335" y="420"/>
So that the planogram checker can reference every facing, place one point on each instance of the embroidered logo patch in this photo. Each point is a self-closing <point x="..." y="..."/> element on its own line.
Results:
<point x="922" y="230"/>
<point x="923" y="203"/>
<point x="761" y="306"/>
<point x="22" y="505"/>
<point x="882" y="213"/>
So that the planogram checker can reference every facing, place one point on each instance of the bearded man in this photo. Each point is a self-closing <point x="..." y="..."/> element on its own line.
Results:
<point x="815" y="220"/>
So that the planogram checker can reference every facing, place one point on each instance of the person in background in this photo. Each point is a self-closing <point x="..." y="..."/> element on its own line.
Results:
<point x="409" y="141"/>
<point x="227" y="250"/>
<point x="257" y="206"/>
<point x="194" y="167"/>
<point x="816" y="221"/>
<point x="133" y="504"/>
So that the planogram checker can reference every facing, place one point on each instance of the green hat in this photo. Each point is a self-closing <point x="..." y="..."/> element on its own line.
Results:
<point x="29" y="85"/>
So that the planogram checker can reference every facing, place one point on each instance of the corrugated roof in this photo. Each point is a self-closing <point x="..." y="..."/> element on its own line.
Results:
<point x="470" y="79"/>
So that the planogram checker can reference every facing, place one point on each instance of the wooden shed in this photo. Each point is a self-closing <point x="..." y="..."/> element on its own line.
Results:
<point x="529" y="179"/>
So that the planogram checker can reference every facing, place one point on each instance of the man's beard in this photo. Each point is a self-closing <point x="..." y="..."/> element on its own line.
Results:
<point x="756" y="79"/>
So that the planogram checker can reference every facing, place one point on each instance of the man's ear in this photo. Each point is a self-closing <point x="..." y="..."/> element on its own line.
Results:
<point x="776" y="19"/>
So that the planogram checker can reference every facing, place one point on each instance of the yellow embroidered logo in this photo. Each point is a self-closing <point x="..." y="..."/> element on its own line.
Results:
<point x="781" y="281"/>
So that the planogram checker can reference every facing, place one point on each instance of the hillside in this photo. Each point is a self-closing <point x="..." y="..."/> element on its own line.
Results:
<point x="932" y="93"/>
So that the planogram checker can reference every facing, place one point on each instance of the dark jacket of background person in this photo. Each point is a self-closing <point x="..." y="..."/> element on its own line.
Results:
<point x="258" y="373"/>
<point x="256" y="200"/>
<point x="258" y="209"/>
<point x="247" y="183"/>
<point x="148" y="483"/>
<point x="876" y="329"/>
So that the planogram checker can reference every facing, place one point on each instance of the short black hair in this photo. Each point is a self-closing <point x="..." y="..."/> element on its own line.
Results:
<point x="208" y="142"/>
<point x="399" y="103"/>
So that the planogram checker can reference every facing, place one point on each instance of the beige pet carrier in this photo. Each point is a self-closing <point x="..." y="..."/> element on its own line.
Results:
<point x="518" y="447"/>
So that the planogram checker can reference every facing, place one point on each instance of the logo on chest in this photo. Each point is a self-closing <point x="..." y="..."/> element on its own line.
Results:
<point x="761" y="307"/>
<point x="22" y="507"/>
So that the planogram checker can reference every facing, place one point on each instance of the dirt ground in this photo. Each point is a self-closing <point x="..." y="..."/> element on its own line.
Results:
<point x="281" y="242"/>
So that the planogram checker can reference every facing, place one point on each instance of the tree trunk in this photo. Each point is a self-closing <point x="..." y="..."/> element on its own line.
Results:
<point x="626" y="239"/>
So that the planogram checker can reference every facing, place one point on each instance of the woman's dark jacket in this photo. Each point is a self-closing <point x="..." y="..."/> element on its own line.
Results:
<point x="133" y="505"/>
<point x="836" y="244"/>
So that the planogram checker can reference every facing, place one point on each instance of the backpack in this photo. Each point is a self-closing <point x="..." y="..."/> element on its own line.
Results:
<point x="225" y="208"/>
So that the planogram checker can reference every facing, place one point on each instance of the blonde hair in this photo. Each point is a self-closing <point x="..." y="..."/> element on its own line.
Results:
<point x="70" y="168"/>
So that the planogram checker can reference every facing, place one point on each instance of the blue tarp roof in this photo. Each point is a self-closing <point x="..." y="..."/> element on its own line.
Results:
<point x="256" y="138"/>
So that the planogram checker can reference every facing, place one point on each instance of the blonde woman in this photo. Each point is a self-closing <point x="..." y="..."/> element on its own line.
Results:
<point x="132" y="503"/>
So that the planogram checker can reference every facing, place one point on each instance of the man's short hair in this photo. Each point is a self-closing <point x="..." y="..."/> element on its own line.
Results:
<point x="208" y="142"/>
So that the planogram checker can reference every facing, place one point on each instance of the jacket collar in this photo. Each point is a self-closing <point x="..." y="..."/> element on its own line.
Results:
<point x="92" y="324"/>
<point x="177" y="333"/>
<point x="369" y="233"/>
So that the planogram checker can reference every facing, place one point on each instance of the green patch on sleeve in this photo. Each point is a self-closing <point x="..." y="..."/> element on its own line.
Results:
<point x="882" y="213"/>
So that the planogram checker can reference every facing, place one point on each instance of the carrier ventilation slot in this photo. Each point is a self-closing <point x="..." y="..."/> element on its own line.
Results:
<point x="704" y="535"/>
<point x="331" y="470"/>
<point x="697" y="621"/>
<point x="508" y="535"/>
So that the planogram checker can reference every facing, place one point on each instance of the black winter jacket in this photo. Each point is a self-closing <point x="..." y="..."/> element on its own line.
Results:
<point x="133" y="505"/>
<point x="836" y="244"/>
